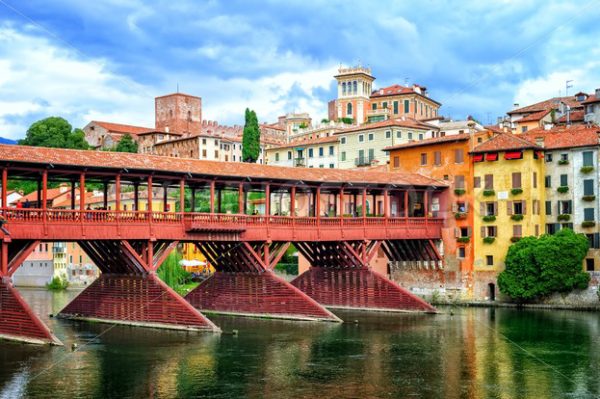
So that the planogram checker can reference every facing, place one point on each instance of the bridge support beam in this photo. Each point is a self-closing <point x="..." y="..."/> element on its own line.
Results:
<point x="129" y="291"/>
<point x="246" y="285"/>
<point x="18" y="322"/>
<point x="340" y="277"/>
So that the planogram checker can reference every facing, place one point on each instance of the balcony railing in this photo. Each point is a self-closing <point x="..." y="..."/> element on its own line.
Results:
<point x="364" y="161"/>
<point x="299" y="162"/>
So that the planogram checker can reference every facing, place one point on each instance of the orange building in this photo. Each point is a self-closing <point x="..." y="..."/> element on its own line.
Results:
<point x="447" y="159"/>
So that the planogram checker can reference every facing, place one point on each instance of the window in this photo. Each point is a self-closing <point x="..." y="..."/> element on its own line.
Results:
<point x="331" y="166"/>
<point x="564" y="157"/>
<point x="361" y="138"/>
<point x="203" y="141"/>
<point x="204" y="153"/>
<point x="461" y="252"/>
<point x="517" y="230"/>
<point x="276" y="157"/>
<point x="564" y="180"/>
<point x="216" y="154"/>
<point x="374" y="106"/>
<point x="310" y="152"/>
<point x="489" y="182"/>
<point x="396" y="107"/>
<point x="489" y="260"/>
<point x="548" y="207"/>
<point x="548" y="181"/>
<point x="589" y="264"/>
<point x="534" y="179"/>
<point x="516" y="180"/>
<point x="548" y="157"/>
<point x="406" y="106"/>
<point x="388" y="134"/>
<point x="461" y="206"/>
<point x="491" y="231"/>
<point x="331" y="150"/>
<point x="594" y="240"/>
<point x="565" y="207"/>
<point x="344" y="88"/>
<point x="459" y="155"/>
<point x="343" y="156"/>
<point x="398" y="134"/>
<point x="321" y="166"/>
<point x="518" y="208"/>
<point x="464" y="232"/>
<point x="321" y="152"/>
<point x="489" y="208"/>
<point x="477" y="182"/>
<point x="343" y="140"/>
<point x="410" y="135"/>
<point x="396" y="162"/>
<point x="371" y="154"/>
<point x="459" y="181"/>
<point x="420" y="136"/>
<point x="355" y="87"/>
<point x="384" y="105"/>
<point x="588" y="158"/>
<point x="423" y="159"/>
<point x="370" y="136"/>
<point x="437" y="158"/>
<point x="523" y="129"/>
<point x="588" y="187"/>
<point x="349" y="109"/>
<point x="588" y="214"/>
<point x="289" y="155"/>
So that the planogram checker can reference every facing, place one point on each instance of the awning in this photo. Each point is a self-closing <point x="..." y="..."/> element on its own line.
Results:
<point x="513" y="155"/>
<point x="477" y="157"/>
<point x="491" y="156"/>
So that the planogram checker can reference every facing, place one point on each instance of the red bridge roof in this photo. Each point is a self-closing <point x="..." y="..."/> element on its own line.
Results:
<point x="80" y="159"/>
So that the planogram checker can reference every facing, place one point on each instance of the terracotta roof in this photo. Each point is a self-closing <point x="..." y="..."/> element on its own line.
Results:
<point x="436" y="140"/>
<point x="494" y="129"/>
<point x="154" y="131"/>
<point x="575" y="116"/>
<point x="319" y="140"/>
<point x="397" y="89"/>
<point x="503" y="142"/>
<point x="122" y="129"/>
<point x="591" y="99"/>
<point x="547" y="105"/>
<point x="51" y="194"/>
<point x="536" y="116"/>
<point x="564" y="136"/>
<point x="406" y="122"/>
<point x="274" y="126"/>
<point x="178" y="94"/>
<point x="142" y="162"/>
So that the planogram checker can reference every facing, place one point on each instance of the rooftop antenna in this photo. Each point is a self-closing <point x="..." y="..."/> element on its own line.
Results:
<point x="406" y="82"/>
<point x="568" y="85"/>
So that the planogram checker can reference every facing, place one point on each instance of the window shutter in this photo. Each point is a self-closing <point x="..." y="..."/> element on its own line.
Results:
<point x="470" y="232"/>
<point x="466" y="207"/>
<point x="482" y="208"/>
<point x="570" y="206"/>
<point x="524" y="206"/>
<point x="454" y="207"/>
<point x="482" y="231"/>
<point x="596" y="240"/>
<point x="477" y="182"/>
<point x="495" y="208"/>
<point x="509" y="207"/>
<point x="456" y="232"/>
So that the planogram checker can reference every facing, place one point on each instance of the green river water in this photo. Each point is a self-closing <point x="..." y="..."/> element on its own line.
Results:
<point x="474" y="353"/>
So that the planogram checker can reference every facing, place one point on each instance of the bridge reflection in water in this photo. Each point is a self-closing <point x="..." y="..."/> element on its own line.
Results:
<point x="338" y="220"/>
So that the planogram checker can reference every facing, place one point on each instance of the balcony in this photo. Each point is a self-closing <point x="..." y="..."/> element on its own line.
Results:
<point x="300" y="162"/>
<point x="364" y="161"/>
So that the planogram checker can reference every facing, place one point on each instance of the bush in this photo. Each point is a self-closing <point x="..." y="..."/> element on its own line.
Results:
<point x="564" y="217"/>
<point x="57" y="284"/>
<point x="460" y="215"/>
<point x="516" y="191"/>
<point x="489" y="218"/>
<point x="489" y="193"/>
<point x="586" y="169"/>
<point x="459" y="191"/>
<point x="463" y="239"/>
<point x="563" y="189"/>
<point x="517" y="217"/>
<point x="588" y="223"/>
<point x="488" y="240"/>
<point x="563" y="162"/>
<point x="537" y="267"/>
<point x="588" y="198"/>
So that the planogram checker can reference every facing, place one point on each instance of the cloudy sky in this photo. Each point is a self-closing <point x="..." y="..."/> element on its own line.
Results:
<point x="108" y="59"/>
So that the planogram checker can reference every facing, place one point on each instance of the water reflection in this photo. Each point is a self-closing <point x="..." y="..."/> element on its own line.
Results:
<point x="476" y="353"/>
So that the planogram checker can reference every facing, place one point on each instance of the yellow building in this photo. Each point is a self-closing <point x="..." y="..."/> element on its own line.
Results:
<point x="508" y="196"/>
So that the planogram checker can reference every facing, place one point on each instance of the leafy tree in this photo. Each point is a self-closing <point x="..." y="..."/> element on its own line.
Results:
<point x="536" y="267"/>
<point x="126" y="144"/>
<point x="251" y="137"/>
<point x="347" y="121"/>
<point x="54" y="132"/>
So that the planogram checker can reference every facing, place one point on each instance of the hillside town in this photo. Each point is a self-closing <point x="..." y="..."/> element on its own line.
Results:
<point x="532" y="173"/>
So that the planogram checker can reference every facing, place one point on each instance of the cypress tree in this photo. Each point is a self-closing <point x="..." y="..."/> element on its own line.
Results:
<point x="251" y="137"/>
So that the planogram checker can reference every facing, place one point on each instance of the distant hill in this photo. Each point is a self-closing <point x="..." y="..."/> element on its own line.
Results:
<point x="7" y="141"/>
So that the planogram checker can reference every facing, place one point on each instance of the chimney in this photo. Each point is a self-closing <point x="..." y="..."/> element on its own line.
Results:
<point x="515" y="105"/>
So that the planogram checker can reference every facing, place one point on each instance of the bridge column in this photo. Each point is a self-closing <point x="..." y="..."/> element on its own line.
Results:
<point x="340" y="277"/>
<point x="245" y="284"/>
<point x="18" y="322"/>
<point x="129" y="292"/>
<point x="4" y="188"/>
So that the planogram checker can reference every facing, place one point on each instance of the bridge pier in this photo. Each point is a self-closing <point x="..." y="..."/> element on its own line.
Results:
<point x="129" y="291"/>
<point x="18" y="322"/>
<point x="340" y="277"/>
<point x="246" y="285"/>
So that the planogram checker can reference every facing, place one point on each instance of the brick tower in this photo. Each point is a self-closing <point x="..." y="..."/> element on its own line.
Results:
<point x="178" y="113"/>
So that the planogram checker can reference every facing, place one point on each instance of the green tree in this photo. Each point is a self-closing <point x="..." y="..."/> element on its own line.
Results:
<point x="126" y="144"/>
<point x="251" y="137"/>
<point x="537" y="267"/>
<point x="54" y="132"/>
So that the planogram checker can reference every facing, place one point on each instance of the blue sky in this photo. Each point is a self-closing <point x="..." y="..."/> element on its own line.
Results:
<point x="107" y="60"/>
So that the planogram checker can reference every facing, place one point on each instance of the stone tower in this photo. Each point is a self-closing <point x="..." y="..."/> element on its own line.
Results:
<point x="178" y="113"/>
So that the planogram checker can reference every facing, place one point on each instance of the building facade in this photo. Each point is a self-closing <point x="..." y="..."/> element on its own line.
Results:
<point x="320" y="152"/>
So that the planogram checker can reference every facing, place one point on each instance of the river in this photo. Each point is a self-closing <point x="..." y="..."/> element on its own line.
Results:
<point x="472" y="353"/>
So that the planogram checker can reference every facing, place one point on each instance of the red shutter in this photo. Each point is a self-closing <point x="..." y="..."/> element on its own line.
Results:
<point x="509" y="207"/>
<point x="477" y="157"/>
<point x="513" y="155"/>
<point x="491" y="156"/>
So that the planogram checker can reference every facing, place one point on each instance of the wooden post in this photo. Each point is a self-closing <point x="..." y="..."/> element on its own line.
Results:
<point x="212" y="196"/>
<point x="105" y="194"/>
<point x="182" y="195"/>
<point x="364" y="203"/>
<point x="426" y="205"/>
<point x="4" y="188"/>
<point x="293" y="202"/>
<point x="268" y="200"/>
<point x="44" y="189"/>
<point x="150" y="194"/>
<point x="219" y="200"/>
<point x="4" y="259"/>
<point x="118" y="193"/>
<point x="318" y="203"/>
<point x="136" y="196"/>
<point x="165" y="196"/>
<point x="39" y="193"/>
<point x="341" y="202"/>
<point x="82" y="191"/>
<point x="241" y="198"/>
<point x="406" y="203"/>
<point x="193" y="204"/>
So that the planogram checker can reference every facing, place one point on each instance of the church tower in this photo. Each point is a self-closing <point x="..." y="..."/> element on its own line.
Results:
<point x="354" y="86"/>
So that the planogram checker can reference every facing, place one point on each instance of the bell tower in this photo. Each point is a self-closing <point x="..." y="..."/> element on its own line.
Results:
<point x="354" y="86"/>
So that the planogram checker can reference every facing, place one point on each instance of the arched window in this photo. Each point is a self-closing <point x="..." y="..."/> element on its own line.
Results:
<point x="349" y="109"/>
<point x="355" y="87"/>
<point x="344" y="88"/>
<point x="190" y="116"/>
